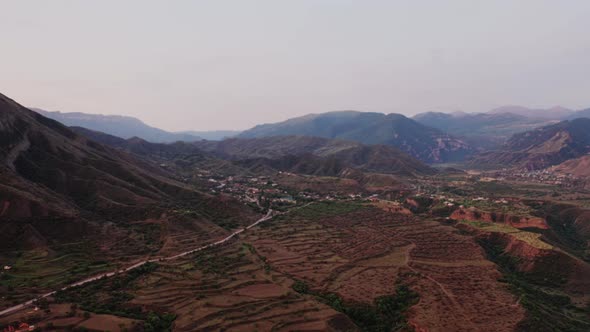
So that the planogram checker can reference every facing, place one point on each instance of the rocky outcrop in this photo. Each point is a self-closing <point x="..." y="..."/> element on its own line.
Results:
<point x="547" y="266"/>
<point x="542" y="147"/>
<point x="473" y="214"/>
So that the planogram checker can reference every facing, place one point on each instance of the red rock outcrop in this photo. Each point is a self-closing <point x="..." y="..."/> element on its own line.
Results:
<point x="473" y="214"/>
<point x="548" y="265"/>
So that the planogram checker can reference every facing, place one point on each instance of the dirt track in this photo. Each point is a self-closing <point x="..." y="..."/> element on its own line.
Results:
<point x="136" y="265"/>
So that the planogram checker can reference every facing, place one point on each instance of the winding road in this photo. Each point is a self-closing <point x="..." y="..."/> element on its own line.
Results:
<point x="24" y="305"/>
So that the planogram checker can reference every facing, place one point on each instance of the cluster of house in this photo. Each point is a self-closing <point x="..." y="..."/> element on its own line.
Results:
<point x="251" y="189"/>
<point x="449" y="202"/>
<point x="373" y="198"/>
<point x="544" y="176"/>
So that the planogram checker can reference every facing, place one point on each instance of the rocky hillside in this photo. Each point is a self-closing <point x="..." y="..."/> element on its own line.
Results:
<point x="296" y="154"/>
<point x="48" y="173"/>
<point x="481" y="130"/>
<point x="319" y="156"/>
<point x="579" y="167"/>
<point x="425" y="143"/>
<point x="542" y="147"/>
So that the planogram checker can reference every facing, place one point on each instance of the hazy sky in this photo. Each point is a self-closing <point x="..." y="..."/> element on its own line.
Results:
<point x="233" y="64"/>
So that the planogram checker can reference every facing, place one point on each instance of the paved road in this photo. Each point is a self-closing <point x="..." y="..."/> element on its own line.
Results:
<point x="134" y="266"/>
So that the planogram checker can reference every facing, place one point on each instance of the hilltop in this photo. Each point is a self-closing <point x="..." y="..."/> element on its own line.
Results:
<point x="425" y="143"/>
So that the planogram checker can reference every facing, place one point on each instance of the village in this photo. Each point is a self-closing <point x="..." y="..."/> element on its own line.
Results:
<point x="263" y="192"/>
<point x="544" y="176"/>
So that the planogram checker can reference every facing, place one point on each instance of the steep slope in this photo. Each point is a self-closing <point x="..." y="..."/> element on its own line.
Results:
<point x="425" y="143"/>
<point x="46" y="153"/>
<point x="579" y="167"/>
<point x="71" y="207"/>
<point x="316" y="155"/>
<point x="543" y="147"/>
<point x="121" y="126"/>
<point x="47" y="171"/>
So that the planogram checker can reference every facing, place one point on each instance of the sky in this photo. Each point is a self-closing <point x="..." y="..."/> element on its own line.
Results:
<point x="206" y="65"/>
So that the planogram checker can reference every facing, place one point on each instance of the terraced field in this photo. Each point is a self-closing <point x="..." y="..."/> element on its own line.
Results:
<point x="232" y="288"/>
<point x="340" y="266"/>
<point x="46" y="268"/>
<point x="182" y="235"/>
<point x="533" y="239"/>
<point x="361" y="255"/>
<point x="43" y="269"/>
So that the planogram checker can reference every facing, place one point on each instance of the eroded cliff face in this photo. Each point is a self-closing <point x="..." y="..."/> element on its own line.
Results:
<point x="547" y="266"/>
<point x="473" y="214"/>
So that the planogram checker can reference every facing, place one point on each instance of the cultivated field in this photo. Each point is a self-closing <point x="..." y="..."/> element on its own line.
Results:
<point x="339" y="266"/>
<point x="363" y="254"/>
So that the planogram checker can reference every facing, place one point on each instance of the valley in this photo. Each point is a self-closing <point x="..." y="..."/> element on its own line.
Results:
<point x="283" y="233"/>
<point x="294" y="166"/>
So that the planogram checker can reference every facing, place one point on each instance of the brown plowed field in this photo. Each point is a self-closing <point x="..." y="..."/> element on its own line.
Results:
<point x="231" y="288"/>
<point x="358" y="251"/>
<point x="360" y="255"/>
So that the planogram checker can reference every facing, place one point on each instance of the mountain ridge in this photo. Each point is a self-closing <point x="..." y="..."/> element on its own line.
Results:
<point x="423" y="142"/>
<point x="481" y="130"/>
<point x="48" y="171"/>
<point x="117" y="125"/>
<point x="542" y="147"/>
<point x="308" y="155"/>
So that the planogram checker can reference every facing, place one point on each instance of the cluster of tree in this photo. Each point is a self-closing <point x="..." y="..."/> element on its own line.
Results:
<point x="385" y="314"/>
<point x="110" y="296"/>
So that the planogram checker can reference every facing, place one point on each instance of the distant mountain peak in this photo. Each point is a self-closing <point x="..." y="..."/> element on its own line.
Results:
<point x="117" y="125"/>
<point x="423" y="142"/>
<point x="553" y="113"/>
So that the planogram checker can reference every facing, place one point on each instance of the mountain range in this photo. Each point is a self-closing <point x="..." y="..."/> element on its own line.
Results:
<point x="541" y="147"/>
<point x="585" y="113"/>
<point x="298" y="154"/>
<point x="127" y="127"/>
<point x="489" y="130"/>
<point x="117" y="125"/>
<point x="432" y="137"/>
<point x="184" y="220"/>
<point x="481" y="130"/>
<point x="553" y="113"/>
<point x="58" y="186"/>
<point x="425" y="143"/>
<point x="315" y="153"/>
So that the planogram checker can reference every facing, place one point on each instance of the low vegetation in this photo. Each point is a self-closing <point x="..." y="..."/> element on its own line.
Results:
<point x="328" y="208"/>
<point x="112" y="296"/>
<point x="386" y="313"/>
<point x="549" y="309"/>
<point x="48" y="268"/>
